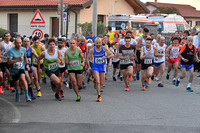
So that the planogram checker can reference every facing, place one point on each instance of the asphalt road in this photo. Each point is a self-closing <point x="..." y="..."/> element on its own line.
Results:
<point x="168" y="110"/>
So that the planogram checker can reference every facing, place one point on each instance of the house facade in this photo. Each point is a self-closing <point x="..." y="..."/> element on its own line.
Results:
<point x="16" y="16"/>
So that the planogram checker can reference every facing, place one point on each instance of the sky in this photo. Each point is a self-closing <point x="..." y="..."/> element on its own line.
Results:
<point x="194" y="3"/>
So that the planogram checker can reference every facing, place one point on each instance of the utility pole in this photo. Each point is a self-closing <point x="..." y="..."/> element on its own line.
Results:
<point x="94" y="18"/>
<point x="61" y="16"/>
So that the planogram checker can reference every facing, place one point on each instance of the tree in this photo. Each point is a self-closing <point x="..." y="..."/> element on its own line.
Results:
<point x="86" y="28"/>
<point x="2" y="31"/>
<point x="166" y="10"/>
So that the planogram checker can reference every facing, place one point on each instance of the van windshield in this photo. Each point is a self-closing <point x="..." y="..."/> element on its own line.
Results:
<point x="116" y="24"/>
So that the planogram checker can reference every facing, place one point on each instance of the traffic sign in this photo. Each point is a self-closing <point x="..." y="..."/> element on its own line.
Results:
<point x="65" y="17"/>
<point x="38" y="33"/>
<point x="123" y="25"/>
<point x="37" y="21"/>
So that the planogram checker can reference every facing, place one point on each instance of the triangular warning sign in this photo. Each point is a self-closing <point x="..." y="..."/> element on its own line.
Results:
<point x="37" y="19"/>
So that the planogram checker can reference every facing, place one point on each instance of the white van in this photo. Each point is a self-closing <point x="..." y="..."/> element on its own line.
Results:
<point x="117" y="21"/>
<point x="169" y="23"/>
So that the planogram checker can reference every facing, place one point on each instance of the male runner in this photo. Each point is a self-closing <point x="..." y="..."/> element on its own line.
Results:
<point x="187" y="54"/>
<point x="17" y="57"/>
<point x="100" y="53"/>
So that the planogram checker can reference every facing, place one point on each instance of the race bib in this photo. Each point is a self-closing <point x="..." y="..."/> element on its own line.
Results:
<point x="29" y="60"/>
<point x="147" y="61"/>
<point x="52" y="66"/>
<point x="99" y="61"/>
<point x="35" y="59"/>
<point x="17" y="65"/>
<point x="76" y="63"/>
<point x="126" y="61"/>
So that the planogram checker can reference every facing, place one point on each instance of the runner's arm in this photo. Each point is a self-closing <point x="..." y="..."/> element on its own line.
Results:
<point x="142" y="56"/>
<point x="40" y="58"/>
<point x="42" y="47"/>
<point x="60" y="60"/>
<point x="138" y="46"/>
<point x="34" y="52"/>
<point x="167" y="51"/>
<point x="81" y="55"/>
<point x="89" y="56"/>
<point x="108" y="52"/>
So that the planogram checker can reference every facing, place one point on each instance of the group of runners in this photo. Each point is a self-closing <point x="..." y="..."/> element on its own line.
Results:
<point x="26" y="61"/>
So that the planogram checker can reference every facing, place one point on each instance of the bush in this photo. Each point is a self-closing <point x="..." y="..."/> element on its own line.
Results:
<point x="2" y="31"/>
<point x="87" y="28"/>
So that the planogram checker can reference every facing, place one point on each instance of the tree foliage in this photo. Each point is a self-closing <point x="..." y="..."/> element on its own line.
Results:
<point x="86" y="28"/>
<point x="166" y="10"/>
<point x="2" y="31"/>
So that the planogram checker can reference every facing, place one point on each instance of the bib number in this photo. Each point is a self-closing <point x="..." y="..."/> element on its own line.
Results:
<point x="126" y="61"/>
<point x="29" y="60"/>
<point x="99" y="61"/>
<point x="35" y="60"/>
<point x="147" y="61"/>
<point x="52" y="66"/>
<point x="76" y="63"/>
<point x="17" y="65"/>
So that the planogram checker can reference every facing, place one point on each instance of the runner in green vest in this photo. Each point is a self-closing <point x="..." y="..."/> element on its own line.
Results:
<point x="51" y="59"/>
<point x="75" y="61"/>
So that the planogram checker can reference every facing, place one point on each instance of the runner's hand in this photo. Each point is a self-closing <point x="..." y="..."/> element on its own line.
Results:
<point x="21" y="58"/>
<point x="156" y="58"/>
<point x="185" y="60"/>
<point x="27" y="67"/>
<point x="83" y="64"/>
<point x="71" y="63"/>
<point x="146" y="54"/>
<point x="104" y="57"/>
<point x="171" y="58"/>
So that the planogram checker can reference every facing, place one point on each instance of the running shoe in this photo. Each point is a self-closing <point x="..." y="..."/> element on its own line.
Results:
<point x="130" y="78"/>
<point x="156" y="79"/>
<point x="189" y="89"/>
<point x="121" y="78"/>
<point x="152" y="77"/>
<point x="28" y="98"/>
<point x="138" y="76"/>
<point x="143" y="88"/>
<point x="146" y="84"/>
<point x="177" y="82"/>
<point x="99" y="99"/>
<point x="167" y="77"/>
<point x="62" y="93"/>
<point x="1" y="89"/>
<point x="78" y="99"/>
<point x="118" y="76"/>
<point x="114" y="79"/>
<point x="7" y="87"/>
<point x="127" y="88"/>
<point x="39" y="94"/>
<point x="12" y="89"/>
<point x="134" y="78"/>
<point x="149" y="81"/>
<point x="174" y="82"/>
<point x="32" y="97"/>
<point x="22" y="92"/>
<point x="66" y="84"/>
<point x="101" y="89"/>
<point x="160" y="85"/>
<point x="80" y="87"/>
<point x="57" y="97"/>
<point x="83" y="85"/>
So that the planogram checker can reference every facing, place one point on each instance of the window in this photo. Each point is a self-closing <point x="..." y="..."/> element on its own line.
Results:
<point x="189" y="22"/>
<point x="13" y="22"/>
<point x="180" y="27"/>
<point x="197" y="23"/>
<point x="101" y="18"/>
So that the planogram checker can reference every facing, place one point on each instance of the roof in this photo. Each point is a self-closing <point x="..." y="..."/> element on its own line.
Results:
<point x="138" y="6"/>
<point x="40" y="2"/>
<point x="185" y="10"/>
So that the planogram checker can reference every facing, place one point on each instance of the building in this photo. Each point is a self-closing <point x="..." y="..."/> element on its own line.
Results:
<point x="16" y="16"/>
<point x="190" y="14"/>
